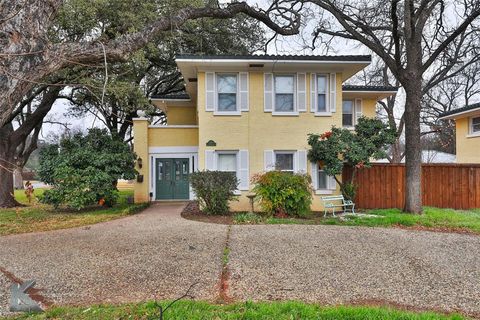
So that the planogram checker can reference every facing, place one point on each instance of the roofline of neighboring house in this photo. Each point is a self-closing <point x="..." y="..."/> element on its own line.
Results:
<point x="270" y="58"/>
<point x="456" y="112"/>
<point x="367" y="89"/>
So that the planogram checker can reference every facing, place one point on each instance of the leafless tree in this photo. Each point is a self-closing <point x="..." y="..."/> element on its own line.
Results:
<point x="28" y="55"/>
<point x="424" y="35"/>
<point x="29" y="58"/>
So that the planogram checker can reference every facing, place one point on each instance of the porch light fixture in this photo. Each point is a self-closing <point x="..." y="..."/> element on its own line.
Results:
<point x="140" y="163"/>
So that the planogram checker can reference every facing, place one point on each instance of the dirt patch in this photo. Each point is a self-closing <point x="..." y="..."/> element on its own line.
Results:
<point x="410" y="308"/>
<point x="192" y="212"/>
<point x="437" y="229"/>
<point x="34" y="293"/>
<point x="223" y="296"/>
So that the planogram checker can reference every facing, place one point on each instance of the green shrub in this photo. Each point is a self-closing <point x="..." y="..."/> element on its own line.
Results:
<point x="214" y="189"/>
<point x="283" y="193"/>
<point x="248" y="218"/>
<point x="83" y="169"/>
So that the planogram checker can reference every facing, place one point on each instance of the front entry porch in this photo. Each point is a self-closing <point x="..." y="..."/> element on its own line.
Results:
<point x="169" y="171"/>
<point x="171" y="178"/>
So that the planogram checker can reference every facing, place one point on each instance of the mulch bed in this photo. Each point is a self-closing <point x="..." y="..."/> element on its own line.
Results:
<point x="192" y="212"/>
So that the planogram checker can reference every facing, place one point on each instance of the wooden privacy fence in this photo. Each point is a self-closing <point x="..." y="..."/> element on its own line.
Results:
<point x="454" y="186"/>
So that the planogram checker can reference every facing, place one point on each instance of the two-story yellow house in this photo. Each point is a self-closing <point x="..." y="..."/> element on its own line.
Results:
<point x="467" y="132"/>
<point x="249" y="114"/>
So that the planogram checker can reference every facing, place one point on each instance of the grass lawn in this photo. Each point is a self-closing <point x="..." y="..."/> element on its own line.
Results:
<point x="202" y="310"/>
<point x="432" y="219"/>
<point x="39" y="217"/>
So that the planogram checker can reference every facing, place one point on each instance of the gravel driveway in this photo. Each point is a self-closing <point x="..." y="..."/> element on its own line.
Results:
<point x="152" y="255"/>
<point x="337" y="265"/>
<point x="157" y="255"/>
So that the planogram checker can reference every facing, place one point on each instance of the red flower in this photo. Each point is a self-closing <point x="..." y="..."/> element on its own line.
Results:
<point x="326" y="135"/>
<point x="360" y="165"/>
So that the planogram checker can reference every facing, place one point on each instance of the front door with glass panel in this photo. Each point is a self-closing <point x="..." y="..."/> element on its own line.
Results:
<point x="172" y="179"/>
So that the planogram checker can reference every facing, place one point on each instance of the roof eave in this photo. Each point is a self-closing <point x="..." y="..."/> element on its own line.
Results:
<point x="461" y="114"/>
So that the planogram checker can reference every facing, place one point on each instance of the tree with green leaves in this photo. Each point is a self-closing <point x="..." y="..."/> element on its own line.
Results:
<point x="83" y="169"/>
<point x="341" y="147"/>
<point x="109" y="55"/>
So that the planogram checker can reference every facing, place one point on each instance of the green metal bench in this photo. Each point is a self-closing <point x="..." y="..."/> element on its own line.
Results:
<point x="332" y="202"/>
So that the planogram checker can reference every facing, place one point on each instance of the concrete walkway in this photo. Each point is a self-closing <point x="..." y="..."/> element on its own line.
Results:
<point x="157" y="255"/>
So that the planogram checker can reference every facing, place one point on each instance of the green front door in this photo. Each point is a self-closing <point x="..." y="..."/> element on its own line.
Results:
<point x="172" y="179"/>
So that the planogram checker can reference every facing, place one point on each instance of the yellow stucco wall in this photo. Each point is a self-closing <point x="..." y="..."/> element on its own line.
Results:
<point x="254" y="130"/>
<point x="178" y="115"/>
<point x="468" y="147"/>
<point x="258" y="131"/>
<point x="171" y="137"/>
<point x="140" y="133"/>
<point x="369" y="108"/>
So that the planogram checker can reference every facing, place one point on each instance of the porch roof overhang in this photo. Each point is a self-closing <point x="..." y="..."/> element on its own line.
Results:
<point x="368" y="92"/>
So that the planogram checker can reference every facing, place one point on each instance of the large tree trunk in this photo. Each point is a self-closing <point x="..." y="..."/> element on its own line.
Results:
<point x="7" y="199"/>
<point x="413" y="149"/>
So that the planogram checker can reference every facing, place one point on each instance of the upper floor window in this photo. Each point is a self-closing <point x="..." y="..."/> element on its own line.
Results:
<point x="284" y="93"/>
<point x="347" y="113"/>
<point x="227" y="92"/>
<point x="322" y="93"/>
<point x="284" y="161"/>
<point x="475" y="125"/>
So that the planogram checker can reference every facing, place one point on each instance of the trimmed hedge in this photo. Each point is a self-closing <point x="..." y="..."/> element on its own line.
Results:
<point x="283" y="193"/>
<point x="214" y="189"/>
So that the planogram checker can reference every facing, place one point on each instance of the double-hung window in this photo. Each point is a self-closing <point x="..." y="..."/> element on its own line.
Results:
<point x="284" y="161"/>
<point x="227" y="162"/>
<point x="322" y="93"/>
<point x="284" y="93"/>
<point x="322" y="181"/>
<point x="227" y="92"/>
<point x="347" y="113"/>
<point x="475" y="125"/>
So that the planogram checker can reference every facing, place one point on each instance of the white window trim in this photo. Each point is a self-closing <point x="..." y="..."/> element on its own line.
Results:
<point x="237" y="163"/>
<point x="292" y="152"/>
<point x="471" y="133"/>
<point x="327" y="112"/>
<point x="315" y="187"/>
<point x="352" y="127"/>
<point x="295" y="107"/>
<point x="217" y="112"/>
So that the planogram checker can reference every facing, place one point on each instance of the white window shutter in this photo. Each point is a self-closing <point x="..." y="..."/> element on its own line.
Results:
<point x="302" y="161"/>
<point x="269" y="160"/>
<point x="301" y="92"/>
<point x="243" y="174"/>
<point x="358" y="109"/>
<point x="314" y="175"/>
<point x="313" y="92"/>
<point x="333" y="92"/>
<point x="268" y="92"/>
<point x="243" y="91"/>
<point x="210" y="160"/>
<point x="332" y="183"/>
<point x="210" y="99"/>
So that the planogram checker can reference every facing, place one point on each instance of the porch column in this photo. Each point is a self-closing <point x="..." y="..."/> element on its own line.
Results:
<point x="140" y="146"/>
